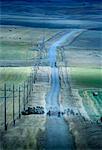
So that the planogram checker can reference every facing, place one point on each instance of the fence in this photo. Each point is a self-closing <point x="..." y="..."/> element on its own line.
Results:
<point x="15" y="100"/>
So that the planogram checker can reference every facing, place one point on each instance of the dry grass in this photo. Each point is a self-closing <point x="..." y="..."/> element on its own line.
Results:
<point x="28" y="129"/>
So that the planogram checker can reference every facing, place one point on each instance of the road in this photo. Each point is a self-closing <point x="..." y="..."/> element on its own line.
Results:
<point x="58" y="136"/>
<point x="52" y="100"/>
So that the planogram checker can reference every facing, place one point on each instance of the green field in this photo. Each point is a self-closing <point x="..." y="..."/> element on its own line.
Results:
<point x="16" y="51"/>
<point x="86" y="77"/>
<point x="92" y="104"/>
<point x="15" y="75"/>
<point x="19" y="43"/>
<point x="88" y="81"/>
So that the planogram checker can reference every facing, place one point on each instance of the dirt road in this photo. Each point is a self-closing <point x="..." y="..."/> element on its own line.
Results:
<point x="57" y="134"/>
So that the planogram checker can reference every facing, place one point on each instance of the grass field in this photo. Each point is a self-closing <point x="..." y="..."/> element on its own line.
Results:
<point x="28" y="128"/>
<point x="15" y="75"/>
<point x="92" y="104"/>
<point x="85" y="50"/>
<point x="10" y="76"/>
<point x="20" y="43"/>
<point x="86" y="77"/>
<point x="88" y="81"/>
<point x="16" y="51"/>
<point x="15" y="44"/>
<point x="88" y="40"/>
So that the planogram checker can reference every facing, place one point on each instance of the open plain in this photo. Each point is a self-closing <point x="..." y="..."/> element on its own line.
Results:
<point x="51" y="58"/>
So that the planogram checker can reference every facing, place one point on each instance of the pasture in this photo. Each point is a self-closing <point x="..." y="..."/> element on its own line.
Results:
<point x="92" y="103"/>
<point x="86" y="77"/>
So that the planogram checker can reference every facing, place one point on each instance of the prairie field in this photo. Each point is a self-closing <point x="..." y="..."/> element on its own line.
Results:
<point x="15" y="75"/>
<point x="86" y="77"/>
<point x="51" y="57"/>
<point x="92" y="103"/>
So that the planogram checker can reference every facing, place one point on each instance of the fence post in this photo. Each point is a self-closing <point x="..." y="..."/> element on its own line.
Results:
<point x="5" y="107"/>
<point x="24" y="97"/>
<point x="19" y="104"/>
<point x="13" y="105"/>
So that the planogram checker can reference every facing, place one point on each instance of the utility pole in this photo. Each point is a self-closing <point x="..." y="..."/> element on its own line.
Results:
<point x="5" y="121"/>
<point x="24" y="97"/>
<point x="27" y="93"/>
<point x="32" y="81"/>
<point x="19" y="103"/>
<point x="13" y="105"/>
